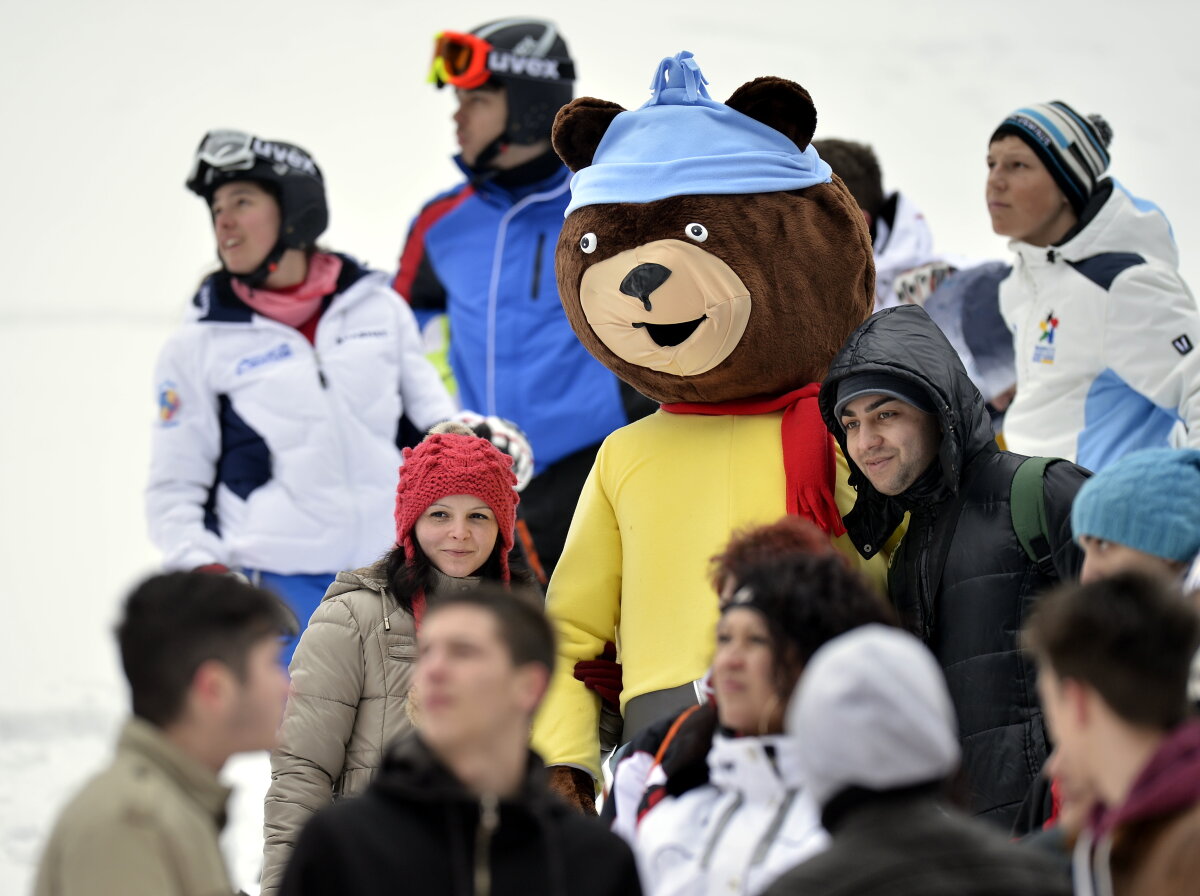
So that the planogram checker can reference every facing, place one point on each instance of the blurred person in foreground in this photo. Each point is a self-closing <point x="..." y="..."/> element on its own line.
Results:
<point x="461" y="805"/>
<point x="201" y="653"/>
<point x="1113" y="659"/>
<point x="876" y="738"/>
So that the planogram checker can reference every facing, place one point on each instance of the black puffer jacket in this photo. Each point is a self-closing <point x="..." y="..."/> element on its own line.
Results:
<point x="417" y="831"/>
<point x="905" y="844"/>
<point x="960" y="579"/>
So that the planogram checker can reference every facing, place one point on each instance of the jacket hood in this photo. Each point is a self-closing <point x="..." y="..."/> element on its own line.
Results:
<point x="904" y="342"/>
<point x="872" y="711"/>
<point x="373" y="578"/>
<point x="1114" y="220"/>
<point x="1169" y="783"/>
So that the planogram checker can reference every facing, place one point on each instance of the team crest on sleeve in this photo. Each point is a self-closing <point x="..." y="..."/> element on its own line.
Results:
<point x="1043" y="351"/>
<point x="169" y="404"/>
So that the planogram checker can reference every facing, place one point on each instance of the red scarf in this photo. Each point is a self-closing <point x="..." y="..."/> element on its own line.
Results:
<point x="808" y="452"/>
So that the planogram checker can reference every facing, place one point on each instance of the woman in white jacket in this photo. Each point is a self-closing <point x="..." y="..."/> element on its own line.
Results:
<point x="1103" y="326"/>
<point x="723" y="806"/>
<point x="280" y="398"/>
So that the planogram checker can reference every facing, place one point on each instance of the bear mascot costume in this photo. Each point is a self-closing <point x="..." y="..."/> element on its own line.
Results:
<point x="710" y="259"/>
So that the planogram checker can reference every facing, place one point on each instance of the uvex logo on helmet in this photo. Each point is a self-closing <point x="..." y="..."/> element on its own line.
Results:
<point x="286" y="155"/>
<point x="504" y="62"/>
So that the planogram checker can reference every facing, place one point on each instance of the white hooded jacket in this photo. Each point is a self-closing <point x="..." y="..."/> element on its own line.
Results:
<point x="735" y="835"/>
<point x="1105" y="332"/>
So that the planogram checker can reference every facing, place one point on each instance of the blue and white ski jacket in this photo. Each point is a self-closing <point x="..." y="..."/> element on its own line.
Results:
<point x="1105" y="333"/>
<point x="484" y="255"/>
<point x="276" y="454"/>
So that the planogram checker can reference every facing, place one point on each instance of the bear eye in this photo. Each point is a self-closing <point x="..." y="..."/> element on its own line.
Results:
<point x="697" y="232"/>
<point x="588" y="243"/>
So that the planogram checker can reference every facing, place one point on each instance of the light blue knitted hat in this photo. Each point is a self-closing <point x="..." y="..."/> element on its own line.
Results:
<point x="682" y="142"/>
<point x="1148" y="500"/>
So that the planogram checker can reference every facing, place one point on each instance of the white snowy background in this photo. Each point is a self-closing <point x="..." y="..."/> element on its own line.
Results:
<point x="103" y="103"/>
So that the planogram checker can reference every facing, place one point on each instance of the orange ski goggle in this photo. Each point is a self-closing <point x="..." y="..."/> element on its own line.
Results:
<point x="460" y="60"/>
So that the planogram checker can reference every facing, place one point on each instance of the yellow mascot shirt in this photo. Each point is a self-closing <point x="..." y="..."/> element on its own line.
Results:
<point x="663" y="497"/>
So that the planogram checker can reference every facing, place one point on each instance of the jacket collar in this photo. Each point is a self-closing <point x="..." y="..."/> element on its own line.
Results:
<point x="216" y="302"/>
<point x="148" y="742"/>
<point x="1113" y="221"/>
<point x="757" y="766"/>
<point x="413" y="772"/>
<point x="1169" y="783"/>
<point x="486" y="185"/>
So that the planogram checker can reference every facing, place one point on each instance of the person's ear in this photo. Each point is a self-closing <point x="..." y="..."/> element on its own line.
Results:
<point x="213" y="687"/>
<point x="1078" y="699"/>
<point x="532" y="682"/>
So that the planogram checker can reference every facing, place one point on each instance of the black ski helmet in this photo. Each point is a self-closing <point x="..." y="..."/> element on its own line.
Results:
<point x="533" y="100"/>
<point x="286" y="170"/>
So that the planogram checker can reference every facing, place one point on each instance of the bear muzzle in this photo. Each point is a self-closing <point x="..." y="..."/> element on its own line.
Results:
<point x="667" y="305"/>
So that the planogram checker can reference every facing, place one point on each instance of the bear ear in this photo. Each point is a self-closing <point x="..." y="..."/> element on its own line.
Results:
<point x="579" y="127"/>
<point x="780" y="104"/>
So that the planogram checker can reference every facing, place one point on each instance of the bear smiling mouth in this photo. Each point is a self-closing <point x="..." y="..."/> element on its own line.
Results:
<point x="672" y="334"/>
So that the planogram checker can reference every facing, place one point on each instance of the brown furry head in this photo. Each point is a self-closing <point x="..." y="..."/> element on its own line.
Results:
<point x="710" y="298"/>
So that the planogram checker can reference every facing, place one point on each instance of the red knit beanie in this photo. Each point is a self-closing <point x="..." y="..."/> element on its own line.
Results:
<point x="447" y="463"/>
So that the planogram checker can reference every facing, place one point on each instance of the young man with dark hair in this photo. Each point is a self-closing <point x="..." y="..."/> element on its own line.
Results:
<point x="1113" y="659"/>
<point x="201" y="653"/>
<point x="918" y="440"/>
<point x="462" y="806"/>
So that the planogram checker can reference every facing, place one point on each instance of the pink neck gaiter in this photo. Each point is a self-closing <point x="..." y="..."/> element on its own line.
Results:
<point x="296" y="304"/>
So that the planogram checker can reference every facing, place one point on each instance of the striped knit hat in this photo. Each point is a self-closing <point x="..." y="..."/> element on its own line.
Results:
<point x="1073" y="148"/>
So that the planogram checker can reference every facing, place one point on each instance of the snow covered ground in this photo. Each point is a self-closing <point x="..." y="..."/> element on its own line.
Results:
<point x="104" y="102"/>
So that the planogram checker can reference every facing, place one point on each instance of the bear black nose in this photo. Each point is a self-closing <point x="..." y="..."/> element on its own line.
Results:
<point x="643" y="280"/>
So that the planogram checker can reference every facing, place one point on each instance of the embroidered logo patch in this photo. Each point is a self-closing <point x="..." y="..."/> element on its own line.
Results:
<point x="168" y="404"/>
<point x="278" y="353"/>
<point x="1043" y="352"/>
<point x="1182" y="344"/>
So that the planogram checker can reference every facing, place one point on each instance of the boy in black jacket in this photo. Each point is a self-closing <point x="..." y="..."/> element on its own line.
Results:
<point x="462" y="808"/>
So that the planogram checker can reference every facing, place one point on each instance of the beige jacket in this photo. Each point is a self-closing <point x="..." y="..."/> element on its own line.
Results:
<point x="350" y="678"/>
<point x="148" y="824"/>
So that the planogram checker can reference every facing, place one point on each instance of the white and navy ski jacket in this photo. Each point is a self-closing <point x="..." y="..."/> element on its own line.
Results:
<point x="275" y="454"/>
<point x="1105" y="332"/>
<point x="738" y="833"/>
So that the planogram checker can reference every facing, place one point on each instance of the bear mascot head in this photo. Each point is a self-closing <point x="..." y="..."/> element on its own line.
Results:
<point x="708" y="254"/>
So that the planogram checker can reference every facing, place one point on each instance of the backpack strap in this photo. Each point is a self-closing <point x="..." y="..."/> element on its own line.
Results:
<point x="1027" y="502"/>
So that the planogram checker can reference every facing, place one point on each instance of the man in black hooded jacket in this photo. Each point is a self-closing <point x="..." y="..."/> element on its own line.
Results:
<point x="463" y="808"/>
<point x="917" y="437"/>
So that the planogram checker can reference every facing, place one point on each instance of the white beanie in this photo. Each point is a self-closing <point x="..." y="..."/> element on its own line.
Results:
<point x="872" y="710"/>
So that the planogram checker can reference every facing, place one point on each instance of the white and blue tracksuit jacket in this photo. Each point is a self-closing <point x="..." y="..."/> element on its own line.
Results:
<point x="276" y="454"/>
<point x="484" y="255"/>
<point x="1106" y="335"/>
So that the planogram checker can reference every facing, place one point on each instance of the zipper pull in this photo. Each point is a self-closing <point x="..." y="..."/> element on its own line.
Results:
<point x="320" y="371"/>
<point x="489" y="819"/>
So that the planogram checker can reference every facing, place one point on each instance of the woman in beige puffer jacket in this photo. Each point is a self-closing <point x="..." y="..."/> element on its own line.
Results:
<point x="455" y="516"/>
